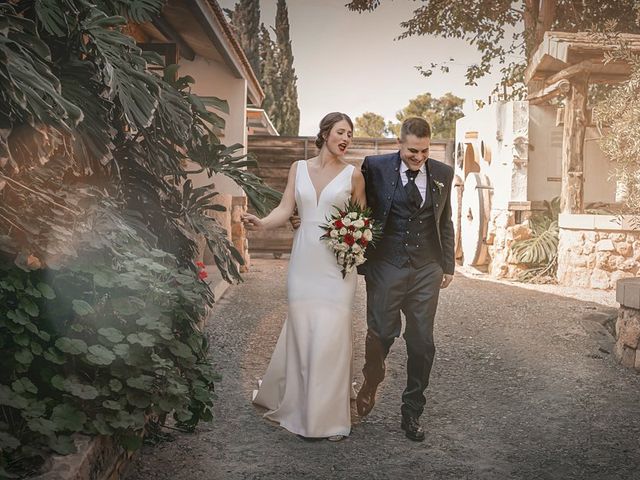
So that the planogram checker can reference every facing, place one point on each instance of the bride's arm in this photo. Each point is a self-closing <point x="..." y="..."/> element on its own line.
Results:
<point x="279" y="216"/>
<point x="358" y="194"/>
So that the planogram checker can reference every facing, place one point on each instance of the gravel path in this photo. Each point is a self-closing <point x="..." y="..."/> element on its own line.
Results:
<point x="522" y="388"/>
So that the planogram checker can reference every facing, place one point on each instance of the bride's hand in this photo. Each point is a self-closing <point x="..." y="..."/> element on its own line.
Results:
<point x="251" y="222"/>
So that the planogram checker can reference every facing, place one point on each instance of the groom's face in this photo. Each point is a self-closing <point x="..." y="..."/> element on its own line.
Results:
<point x="414" y="151"/>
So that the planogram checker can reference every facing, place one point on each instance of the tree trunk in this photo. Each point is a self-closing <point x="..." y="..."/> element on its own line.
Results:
<point x="575" y="124"/>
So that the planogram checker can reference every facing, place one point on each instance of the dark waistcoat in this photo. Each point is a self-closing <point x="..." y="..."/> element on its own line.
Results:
<point x="410" y="235"/>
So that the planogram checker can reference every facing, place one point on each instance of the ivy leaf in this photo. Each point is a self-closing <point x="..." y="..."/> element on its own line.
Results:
<point x="68" y="418"/>
<point x="121" y="349"/>
<point x="127" y="305"/>
<point x="80" y="390"/>
<point x="23" y="385"/>
<point x="112" y="405"/>
<point x="42" y="425"/>
<point x="180" y="349"/>
<point x="18" y="317"/>
<point x="141" y="382"/>
<point x="73" y="346"/>
<point x="11" y="399"/>
<point x="46" y="291"/>
<point x="22" y="339"/>
<point x="57" y="381"/>
<point x="100" y="355"/>
<point x="28" y="306"/>
<point x="54" y="356"/>
<point x="62" y="444"/>
<point x="112" y="334"/>
<point x="142" y="338"/>
<point x="24" y="356"/>
<point x="138" y="399"/>
<point x="8" y="442"/>
<point x="82" y="308"/>
<point x="115" y="385"/>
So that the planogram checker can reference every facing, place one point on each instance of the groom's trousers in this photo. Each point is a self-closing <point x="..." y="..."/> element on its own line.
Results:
<point x="413" y="291"/>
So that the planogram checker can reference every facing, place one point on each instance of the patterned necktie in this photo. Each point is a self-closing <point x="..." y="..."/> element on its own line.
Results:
<point x="415" y="199"/>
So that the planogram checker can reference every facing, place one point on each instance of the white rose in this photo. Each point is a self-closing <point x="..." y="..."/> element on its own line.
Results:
<point x="358" y="223"/>
<point x="355" y="248"/>
<point x="344" y="247"/>
<point x="357" y="234"/>
<point x="353" y="215"/>
<point x="343" y="231"/>
<point x="346" y="221"/>
<point x="367" y="235"/>
<point x="334" y="234"/>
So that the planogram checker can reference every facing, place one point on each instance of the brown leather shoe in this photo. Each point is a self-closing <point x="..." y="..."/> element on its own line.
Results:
<point x="373" y="371"/>
<point x="366" y="399"/>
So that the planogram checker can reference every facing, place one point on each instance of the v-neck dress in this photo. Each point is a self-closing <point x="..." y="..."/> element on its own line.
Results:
<point x="307" y="385"/>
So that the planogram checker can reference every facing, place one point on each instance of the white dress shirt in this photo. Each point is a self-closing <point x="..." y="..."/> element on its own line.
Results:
<point x="421" y="179"/>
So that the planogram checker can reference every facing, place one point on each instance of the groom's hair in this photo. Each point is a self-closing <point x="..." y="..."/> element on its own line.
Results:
<point x="415" y="126"/>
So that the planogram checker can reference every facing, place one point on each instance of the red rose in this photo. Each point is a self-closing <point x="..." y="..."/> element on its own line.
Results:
<point x="351" y="228"/>
<point x="366" y="222"/>
<point x="199" y="264"/>
<point x="349" y="239"/>
<point x="202" y="274"/>
<point x="363" y="242"/>
<point x="339" y="224"/>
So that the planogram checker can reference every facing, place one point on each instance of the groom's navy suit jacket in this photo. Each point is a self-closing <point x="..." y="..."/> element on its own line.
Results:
<point x="381" y="175"/>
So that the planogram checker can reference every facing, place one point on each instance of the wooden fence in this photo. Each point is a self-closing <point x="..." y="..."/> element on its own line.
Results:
<point x="276" y="154"/>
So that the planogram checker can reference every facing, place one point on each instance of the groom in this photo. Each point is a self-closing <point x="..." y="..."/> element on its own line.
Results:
<point x="410" y="197"/>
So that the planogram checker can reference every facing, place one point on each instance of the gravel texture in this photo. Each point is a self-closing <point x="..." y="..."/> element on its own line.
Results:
<point x="524" y="386"/>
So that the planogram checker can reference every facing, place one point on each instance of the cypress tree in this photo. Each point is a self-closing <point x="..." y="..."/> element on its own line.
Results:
<point x="269" y="76"/>
<point x="287" y="96"/>
<point x="245" y="19"/>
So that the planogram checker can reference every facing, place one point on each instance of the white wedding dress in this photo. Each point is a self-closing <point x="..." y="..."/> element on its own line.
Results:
<point x="307" y="385"/>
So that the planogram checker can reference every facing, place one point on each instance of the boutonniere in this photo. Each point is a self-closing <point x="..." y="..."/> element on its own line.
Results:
<point x="439" y="185"/>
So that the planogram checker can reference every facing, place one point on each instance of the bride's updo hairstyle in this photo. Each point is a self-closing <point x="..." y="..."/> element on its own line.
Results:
<point x="327" y="123"/>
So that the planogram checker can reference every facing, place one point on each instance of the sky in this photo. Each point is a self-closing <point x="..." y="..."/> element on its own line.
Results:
<point x="351" y="62"/>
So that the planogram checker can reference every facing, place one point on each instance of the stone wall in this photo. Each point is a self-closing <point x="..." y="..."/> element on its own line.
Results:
<point x="502" y="233"/>
<point x="628" y="324"/>
<point x="595" y="251"/>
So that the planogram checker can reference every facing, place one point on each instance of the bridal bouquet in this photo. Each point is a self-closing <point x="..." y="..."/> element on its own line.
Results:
<point x="349" y="232"/>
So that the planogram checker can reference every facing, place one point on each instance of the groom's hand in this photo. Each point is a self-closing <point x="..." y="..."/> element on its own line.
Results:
<point x="294" y="220"/>
<point x="446" y="280"/>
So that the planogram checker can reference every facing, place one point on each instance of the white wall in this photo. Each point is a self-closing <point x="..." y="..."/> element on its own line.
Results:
<point x="502" y="126"/>
<point x="215" y="79"/>
<point x="546" y="160"/>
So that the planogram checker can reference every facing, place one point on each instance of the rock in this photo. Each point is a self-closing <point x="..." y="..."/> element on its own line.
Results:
<point x="518" y="232"/>
<point x="624" y="249"/>
<point x="602" y="260"/>
<point x="618" y="275"/>
<point x="605" y="246"/>
<point x="600" y="279"/>
<point x="629" y="332"/>
<point x="628" y="358"/>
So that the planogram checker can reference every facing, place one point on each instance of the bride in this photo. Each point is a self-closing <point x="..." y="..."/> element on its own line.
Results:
<point x="307" y="385"/>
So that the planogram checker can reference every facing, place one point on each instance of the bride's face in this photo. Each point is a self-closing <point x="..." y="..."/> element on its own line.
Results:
<point x="339" y="138"/>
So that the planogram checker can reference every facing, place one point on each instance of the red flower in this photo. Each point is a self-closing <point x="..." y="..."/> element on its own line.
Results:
<point x="199" y="264"/>
<point x="202" y="274"/>
<point x="351" y="228"/>
<point x="366" y="222"/>
<point x="349" y="239"/>
<point x="363" y="242"/>
<point x="339" y="224"/>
